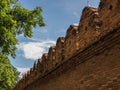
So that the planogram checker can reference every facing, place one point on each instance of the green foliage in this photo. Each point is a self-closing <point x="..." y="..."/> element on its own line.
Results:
<point x="15" y="20"/>
<point x="8" y="74"/>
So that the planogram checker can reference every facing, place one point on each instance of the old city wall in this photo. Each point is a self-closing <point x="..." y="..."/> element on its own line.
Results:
<point x="87" y="58"/>
<point x="109" y="9"/>
<point x="59" y="55"/>
<point x="97" y="67"/>
<point x="70" y="43"/>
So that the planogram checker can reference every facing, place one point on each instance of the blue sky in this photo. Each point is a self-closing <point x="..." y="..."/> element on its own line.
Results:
<point x="58" y="16"/>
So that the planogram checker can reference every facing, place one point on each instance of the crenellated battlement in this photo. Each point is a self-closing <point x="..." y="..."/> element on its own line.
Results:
<point x="72" y="30"/>
<point x="59" y="55"/>
<point x="94" y="24"/>
<point x="109" y="11"/>
<point x="70" y="43"/>
<point x="51" y="57"/>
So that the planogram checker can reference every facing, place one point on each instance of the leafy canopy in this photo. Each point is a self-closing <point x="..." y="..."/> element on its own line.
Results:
<point x="15" y="20"/>
<point x="8" y="74"/>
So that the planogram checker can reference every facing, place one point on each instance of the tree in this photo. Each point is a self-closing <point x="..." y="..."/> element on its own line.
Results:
<point x="8" y="74"/>
<point x="15" y="20"/>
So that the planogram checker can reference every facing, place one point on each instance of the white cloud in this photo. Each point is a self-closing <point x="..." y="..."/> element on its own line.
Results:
<point x="76" y="24"/>
<point x="34" y="50"/>
<point x="22" y="71"/>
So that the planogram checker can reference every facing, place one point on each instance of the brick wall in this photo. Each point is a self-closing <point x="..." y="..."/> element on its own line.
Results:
<point x="88" y="58"/>
<point x="95" y="68"/>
